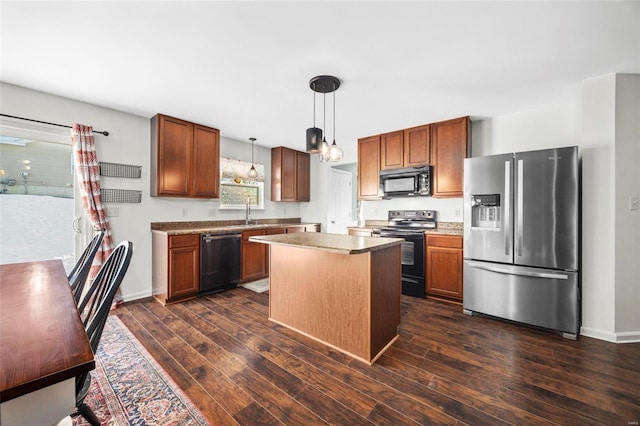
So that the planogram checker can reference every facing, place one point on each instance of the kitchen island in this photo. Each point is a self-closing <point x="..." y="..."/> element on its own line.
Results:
<point x="341" y="290"/>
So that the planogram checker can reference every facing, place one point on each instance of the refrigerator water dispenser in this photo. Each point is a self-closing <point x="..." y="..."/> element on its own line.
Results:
<point x="485" y="211"/>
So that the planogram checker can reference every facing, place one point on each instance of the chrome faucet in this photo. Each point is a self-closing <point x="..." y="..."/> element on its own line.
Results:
<point x="247" y="214"/>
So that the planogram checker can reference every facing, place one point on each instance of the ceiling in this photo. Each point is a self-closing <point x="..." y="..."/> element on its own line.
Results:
<point x="244" y="67"/>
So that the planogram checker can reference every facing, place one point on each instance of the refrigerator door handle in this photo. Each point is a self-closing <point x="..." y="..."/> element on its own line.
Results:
<point x="520" y="201"/>
<point x="499" y="270"/>
<point x="507" y="213"/>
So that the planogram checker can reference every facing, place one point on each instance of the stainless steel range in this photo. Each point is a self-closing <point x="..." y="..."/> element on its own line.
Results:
<point x="410" y="225"/>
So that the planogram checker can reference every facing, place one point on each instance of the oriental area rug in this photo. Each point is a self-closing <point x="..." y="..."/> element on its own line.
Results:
<point x="128" y="387"/>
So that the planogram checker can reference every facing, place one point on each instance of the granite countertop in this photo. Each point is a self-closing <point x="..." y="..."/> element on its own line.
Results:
<point x="222" y="226"/>
<point x="336" y="243"/>
<point x="444" y="228"/>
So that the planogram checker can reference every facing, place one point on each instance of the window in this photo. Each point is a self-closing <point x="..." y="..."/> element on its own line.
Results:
<point x="236" y="188"/>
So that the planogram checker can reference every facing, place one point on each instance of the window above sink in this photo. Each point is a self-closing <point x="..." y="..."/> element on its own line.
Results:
<point x="236" y="187"/>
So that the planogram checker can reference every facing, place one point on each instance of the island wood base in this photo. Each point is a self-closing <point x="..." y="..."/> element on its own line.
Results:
<point x="350" y="302"/>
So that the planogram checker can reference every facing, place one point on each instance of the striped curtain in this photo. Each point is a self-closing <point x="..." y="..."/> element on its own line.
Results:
<point x="88" y="174"/>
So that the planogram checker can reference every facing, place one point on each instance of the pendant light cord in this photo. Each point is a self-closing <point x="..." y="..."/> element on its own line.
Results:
<point x="334" y="113"/>
<point x="324" y="108"/>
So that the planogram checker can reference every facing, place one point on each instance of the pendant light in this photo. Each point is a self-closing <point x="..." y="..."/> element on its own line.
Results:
<point x="314" y="134"/>
<point x="252" y="173"/>
<point x="335" y="152"/>
<point x="323" y="84"/>
<point x="324" y="148"/>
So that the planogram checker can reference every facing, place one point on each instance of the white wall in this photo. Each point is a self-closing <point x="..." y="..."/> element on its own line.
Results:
<point x="627" y="222"/>
<point x="603" y="121"/>
<point x="129" y="143"/>
<point x="448" y="209"/>
<point x="317" y="210"/>
<point x="597" y="137"/>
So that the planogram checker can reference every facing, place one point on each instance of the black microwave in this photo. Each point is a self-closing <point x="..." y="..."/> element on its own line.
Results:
<point x="407" y="182"/>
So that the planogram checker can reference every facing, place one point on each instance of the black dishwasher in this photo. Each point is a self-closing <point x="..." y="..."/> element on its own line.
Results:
<point x="219" y="262"/>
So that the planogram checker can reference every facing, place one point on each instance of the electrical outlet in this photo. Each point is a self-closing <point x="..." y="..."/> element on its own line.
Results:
<point x="634" y="203"/>
<point x="113" y="211"/>
<point x="284" y="211"/>
<point x="457" y="212"/>
<point x="212" y="212"/>
<point x="185" y="212"/>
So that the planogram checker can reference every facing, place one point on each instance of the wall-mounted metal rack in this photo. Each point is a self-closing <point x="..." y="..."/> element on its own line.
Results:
<point x="120" y="170"/>
<point x="120" y="195"/>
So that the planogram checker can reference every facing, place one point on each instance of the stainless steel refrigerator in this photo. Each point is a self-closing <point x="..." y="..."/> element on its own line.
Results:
<point x="521" y="238"/>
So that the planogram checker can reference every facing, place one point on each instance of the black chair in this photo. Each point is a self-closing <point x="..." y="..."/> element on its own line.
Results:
<point x="78" y="275"/>
<point x="94" y="310"/>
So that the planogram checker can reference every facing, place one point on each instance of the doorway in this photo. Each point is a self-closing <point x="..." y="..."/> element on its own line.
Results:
<point x="37" y="202"/>
<point x="340" y="203"/>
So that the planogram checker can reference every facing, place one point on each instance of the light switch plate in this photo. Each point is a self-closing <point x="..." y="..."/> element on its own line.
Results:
<point x="634" y="203"/>
<point x="113" y="211"/>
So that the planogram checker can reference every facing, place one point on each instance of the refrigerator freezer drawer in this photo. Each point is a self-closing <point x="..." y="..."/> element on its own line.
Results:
<point x="540" y="297"/>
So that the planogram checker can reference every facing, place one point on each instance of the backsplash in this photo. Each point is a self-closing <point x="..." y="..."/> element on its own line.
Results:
<point x="449" y="209"/>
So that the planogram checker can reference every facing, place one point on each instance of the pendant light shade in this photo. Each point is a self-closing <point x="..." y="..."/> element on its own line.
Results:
<point x="335" y="152"/>
<point x="316" y="141"/>
<point x="252" y="173"/>
<point x="314" y="138"/>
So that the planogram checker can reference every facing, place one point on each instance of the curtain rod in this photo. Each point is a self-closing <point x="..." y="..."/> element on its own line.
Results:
<point x="105" y="133"/>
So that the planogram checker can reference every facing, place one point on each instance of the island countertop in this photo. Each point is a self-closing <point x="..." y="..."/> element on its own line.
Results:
<point x="335" y="243"/>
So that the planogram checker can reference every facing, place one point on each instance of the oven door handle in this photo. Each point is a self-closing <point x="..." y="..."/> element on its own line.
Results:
<point x="400" y="234"/>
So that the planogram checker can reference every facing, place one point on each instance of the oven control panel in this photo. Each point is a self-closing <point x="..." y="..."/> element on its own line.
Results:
<point x="412" y="214"/>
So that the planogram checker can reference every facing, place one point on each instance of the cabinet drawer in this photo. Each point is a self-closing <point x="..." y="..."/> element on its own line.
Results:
<point x="452" y="241"/>
<point x="291" y="229"/>
<point x="183" y="240"/>
<point x="252" y="233"/>
<point x="275" y="231"/>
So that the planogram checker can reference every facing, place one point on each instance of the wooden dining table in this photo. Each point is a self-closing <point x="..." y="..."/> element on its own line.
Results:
<point x="43" y="344"/>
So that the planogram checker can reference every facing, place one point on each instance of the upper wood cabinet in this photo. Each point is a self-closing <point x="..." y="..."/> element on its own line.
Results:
<point x="369" y="168"/>
<point x="391" y="150"/>
<point x="417" y="146"/>
<point x="290" y="175"/>
<point x="304" y="176"/>
<point x="405" y="148"/>
<point x="185" y="159"/>
<point x="449" y="147"/>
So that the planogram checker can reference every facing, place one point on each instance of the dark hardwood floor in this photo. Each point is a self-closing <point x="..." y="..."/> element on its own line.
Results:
<point x="446" y="368"/>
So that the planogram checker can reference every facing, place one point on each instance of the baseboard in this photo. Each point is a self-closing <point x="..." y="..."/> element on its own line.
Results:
<point x="135" y="296"/>
<point x="628" y="337"/>
<point x="623" y="337"/>
<point x="598" y="334"/>
<point x="258" y="286"/>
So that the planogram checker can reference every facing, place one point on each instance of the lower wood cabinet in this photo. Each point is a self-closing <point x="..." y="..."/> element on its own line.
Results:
<point x="254" y="256"/>
<point x="444" y="266"/>
<point x="176" y="267"/>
